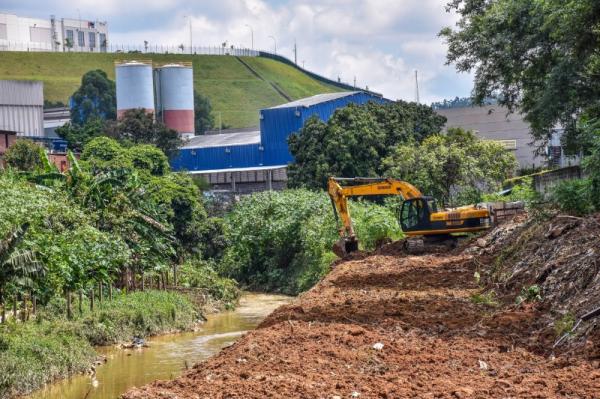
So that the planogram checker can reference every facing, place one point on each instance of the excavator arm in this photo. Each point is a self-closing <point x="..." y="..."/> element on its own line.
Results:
<point x="370" y="186"/>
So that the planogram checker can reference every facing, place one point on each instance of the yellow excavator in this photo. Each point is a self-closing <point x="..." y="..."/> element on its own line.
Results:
<point x="420" y="218"/>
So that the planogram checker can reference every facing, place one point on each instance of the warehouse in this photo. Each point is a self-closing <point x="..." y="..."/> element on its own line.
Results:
<point x="22" y="107"/>
<point x="248" y="159"/>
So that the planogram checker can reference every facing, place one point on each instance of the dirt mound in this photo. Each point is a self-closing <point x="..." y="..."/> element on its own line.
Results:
<point x="387" y="325"/>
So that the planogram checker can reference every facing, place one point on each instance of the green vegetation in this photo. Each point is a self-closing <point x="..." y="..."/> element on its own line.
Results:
<point x="282" y="241"/>
<point x="526" y="52"/>
<point x="355" y="141"/>
<point x="456" y="168"/>
<point x="485" y="298"/>
<point x="235" y="93"/>
<point x="51" y="346"/>
<point x="24" y="155"/>
<point x="564" y="325"/>
<point x="522" y="190"/>
<point x="95" y="98"/>
<point x="533" y="293"/>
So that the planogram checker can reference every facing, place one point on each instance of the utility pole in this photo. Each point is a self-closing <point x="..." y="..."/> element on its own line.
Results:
<point x="295" y="53"/>
<point x="191" y="44"/>
<point x="417" y="87"/>
<point x="355" y="82"/>
<point x="274" y="43"/>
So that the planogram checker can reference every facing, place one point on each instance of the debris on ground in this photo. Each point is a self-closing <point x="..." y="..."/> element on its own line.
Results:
<point x="434" y="339"/>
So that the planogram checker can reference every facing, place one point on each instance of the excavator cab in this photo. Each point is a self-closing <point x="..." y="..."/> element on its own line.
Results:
<point x="415" y="214"/>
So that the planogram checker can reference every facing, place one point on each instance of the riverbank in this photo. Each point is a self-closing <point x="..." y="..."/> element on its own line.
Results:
<point x="51" y="347"/>
<point x="387" y="325"/>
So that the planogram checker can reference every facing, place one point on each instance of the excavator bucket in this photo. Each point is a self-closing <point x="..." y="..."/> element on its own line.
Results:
<point x="345" y="246"/>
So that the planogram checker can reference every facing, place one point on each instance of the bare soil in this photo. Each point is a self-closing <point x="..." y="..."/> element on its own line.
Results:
<point x="387" y="325"/>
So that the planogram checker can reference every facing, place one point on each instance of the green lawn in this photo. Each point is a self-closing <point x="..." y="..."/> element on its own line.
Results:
<point x="235" y="93"/>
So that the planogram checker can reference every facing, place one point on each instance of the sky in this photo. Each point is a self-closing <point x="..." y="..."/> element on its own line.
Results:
<point x="379" y="42"/>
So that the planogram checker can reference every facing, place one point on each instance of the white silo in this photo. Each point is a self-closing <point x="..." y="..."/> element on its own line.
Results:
<point x="135" y="87"/>
<point x="175" y="97"/>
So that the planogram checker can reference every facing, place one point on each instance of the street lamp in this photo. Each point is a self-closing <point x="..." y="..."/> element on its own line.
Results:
<point x="274" y="43"/>
<point x="252" y="33"/>
<point x="191" y="44"/>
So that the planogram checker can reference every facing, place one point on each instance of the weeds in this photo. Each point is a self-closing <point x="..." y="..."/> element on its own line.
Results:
<point x="530" y="294"/>
<point x="485" y="298"/>
<point x="564" y="325"/>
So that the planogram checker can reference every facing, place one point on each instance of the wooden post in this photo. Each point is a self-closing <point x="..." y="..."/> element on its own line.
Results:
<point x="69" y="309"/>
<point x="143" y="282"/>
<point x="34" y="304"/>
<point x="15" y="307"/>
<point x="100" y="292"/>
<point x="24" y="312"/>
<point x="174" y="275"/>
<point x="80" y="302"/>
<point x="3" y="311"/>
<point x="110" y="291"/>
<point x="92" y="299"/>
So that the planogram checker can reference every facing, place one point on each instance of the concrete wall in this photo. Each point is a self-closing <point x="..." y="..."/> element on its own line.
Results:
<point x="544" y="182"/>
<point x="492" y="122"/>
<point x="247" y="181"/>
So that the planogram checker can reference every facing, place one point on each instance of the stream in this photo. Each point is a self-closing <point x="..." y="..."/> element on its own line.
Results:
<point x="167" y="355"/>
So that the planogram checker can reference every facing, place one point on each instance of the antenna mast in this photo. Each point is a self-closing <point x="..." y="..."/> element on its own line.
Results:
<point x="417" y="87"/>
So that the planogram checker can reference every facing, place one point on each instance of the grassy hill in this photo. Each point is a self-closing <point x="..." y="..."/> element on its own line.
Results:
<point x="235" y="92"/>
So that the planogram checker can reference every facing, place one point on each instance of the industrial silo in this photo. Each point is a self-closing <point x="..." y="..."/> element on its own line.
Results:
<point x="135" y="88"/>
<point x="175" y="97"/>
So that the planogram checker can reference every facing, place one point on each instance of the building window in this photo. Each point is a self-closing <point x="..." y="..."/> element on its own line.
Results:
<point x="3" y="32"/>
<point x="103" y="40"/>
<point x="92" y="39"/>
<point x="81" y="39"/>
<point x="70" y="35"/>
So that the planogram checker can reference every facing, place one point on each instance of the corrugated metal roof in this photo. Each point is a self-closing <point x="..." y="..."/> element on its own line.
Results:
<point x="21" y="92"/>
<point x="223" y="140"/>
<point x="318" y="99"/>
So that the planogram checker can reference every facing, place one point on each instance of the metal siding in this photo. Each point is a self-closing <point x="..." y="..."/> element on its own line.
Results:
<point x="241" y="156"/>
<point x="26" y="120"/>
<point x="135" y="86"/>
<point x="176" y="93"/>
<point x="277" y="124"/>
<point x="17" y="92"/>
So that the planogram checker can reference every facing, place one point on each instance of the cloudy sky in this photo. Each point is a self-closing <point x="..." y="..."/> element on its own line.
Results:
<point x="380" y="42"/>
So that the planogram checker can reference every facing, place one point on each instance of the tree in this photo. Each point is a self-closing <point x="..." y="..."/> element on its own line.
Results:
<point x="203" y="118"/>
<point x="77" y="136"/>
<point x="95" y="98"/>
<point x="537" y="56"/>
<point x="455" y="168"/>
<point x="139" y="127"/>
<point x="355" y="140"/>
<point x="69" y="43"/>
<point x="24" y="155"/>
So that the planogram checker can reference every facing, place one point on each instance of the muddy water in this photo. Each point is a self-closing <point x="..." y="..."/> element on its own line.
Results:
<point x="167" y="355"/>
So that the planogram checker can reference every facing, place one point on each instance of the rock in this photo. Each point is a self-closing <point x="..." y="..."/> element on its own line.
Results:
<point x="378" y="346"/>
<point x="481" y="243"/>
<point x="355" y="394"/>
<point x="483" y="365"/>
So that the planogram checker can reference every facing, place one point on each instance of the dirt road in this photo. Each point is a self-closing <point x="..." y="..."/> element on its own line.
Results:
<point x="390" y="326"/>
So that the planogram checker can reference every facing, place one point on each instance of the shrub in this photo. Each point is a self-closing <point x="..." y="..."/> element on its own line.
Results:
<point x="573" y="196"/>
<point x="24" y="155"/>
<point x="202" y="274"/>
<point x="282" y="240"/>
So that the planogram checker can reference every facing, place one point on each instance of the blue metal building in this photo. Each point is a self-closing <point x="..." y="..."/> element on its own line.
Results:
<point x="267" y="148"/>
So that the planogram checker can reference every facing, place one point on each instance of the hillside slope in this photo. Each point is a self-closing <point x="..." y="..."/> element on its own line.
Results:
<point x="235" y="92"/>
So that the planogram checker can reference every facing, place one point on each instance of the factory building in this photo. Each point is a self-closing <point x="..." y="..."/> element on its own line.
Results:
<point x="251" y="160"/>
<point x="174" y="86"/>
<point x="22" y="107"/>
<point x="52" y="34"/>
<point x="135" y="86"/>
<point x="494" y="122"/>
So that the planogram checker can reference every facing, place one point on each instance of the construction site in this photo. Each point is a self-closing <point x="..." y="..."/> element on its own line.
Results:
<point x="488" y="320"/>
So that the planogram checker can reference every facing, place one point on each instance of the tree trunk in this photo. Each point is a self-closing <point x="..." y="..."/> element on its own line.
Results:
<point x="15" y="301"/>
<point x="69" y="309"/>
<point x="3" y="311"/>
<point x="25" y="313"/>
<point x="174" y="275"/>
<point x="92" y="299"/>
<point x="143" y="283"/>
<point x="34" y="305"/>
<point x="100" y="293"/>
<point x="166" y="279"/>
<point x="110" y="291"/>
<point x="80" y="302"/>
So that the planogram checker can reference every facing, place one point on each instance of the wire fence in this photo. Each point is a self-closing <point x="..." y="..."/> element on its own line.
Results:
<point x="6" y="45"/>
